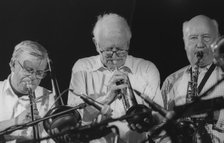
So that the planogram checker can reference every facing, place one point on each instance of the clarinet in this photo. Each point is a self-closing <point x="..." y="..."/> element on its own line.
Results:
<point x="33" y="107"/>
<point x="191" y="127"/>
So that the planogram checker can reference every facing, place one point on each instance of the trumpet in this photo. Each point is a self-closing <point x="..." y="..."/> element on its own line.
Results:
<point x="218" y="47"/>
<point x="127" y="96"/>
<point x="132" y="108"/>
<point x="33" y="106"/>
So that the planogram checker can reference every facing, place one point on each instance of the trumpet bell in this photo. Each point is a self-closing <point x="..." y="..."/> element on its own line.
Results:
<point x="139" y="114"/>
<point x="218" y="48"/>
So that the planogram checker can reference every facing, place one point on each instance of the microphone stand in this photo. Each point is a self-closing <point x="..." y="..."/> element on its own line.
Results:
<point x="54" y="82"/>
<point x="81" y="134"/>
<point x="33" y="107"/>
<point x="76" y="130"/>
<point x="179" y="111"/>
<point x="17" y="127"/>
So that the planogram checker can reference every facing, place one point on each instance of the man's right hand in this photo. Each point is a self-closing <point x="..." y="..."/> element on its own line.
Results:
<point x="117" y="83"/>
<point x="26" y="117"/>
<point x="66" y="137"/>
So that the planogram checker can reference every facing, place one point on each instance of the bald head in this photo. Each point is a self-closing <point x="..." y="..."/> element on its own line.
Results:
<point x="202" y="23"/>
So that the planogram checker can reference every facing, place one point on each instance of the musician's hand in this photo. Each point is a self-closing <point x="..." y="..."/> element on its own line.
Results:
<point x="142" y="119"/>
<point x="117" y="82"/>
<point x="26" y="117"/>
<point x="141" y="126"/>
<point x="64" y="138"/>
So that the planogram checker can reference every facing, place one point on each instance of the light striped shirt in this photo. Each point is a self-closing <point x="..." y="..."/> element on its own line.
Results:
<point x="174" y="91"/>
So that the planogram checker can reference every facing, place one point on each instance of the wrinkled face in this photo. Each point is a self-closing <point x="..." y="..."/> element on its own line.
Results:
<point x="198" y="37"/>
<point x="27" y="69"/>
<point x="113" y="50"/>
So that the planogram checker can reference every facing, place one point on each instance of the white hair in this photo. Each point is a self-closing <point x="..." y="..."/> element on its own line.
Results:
<point x="212" y="22"/>
<point x="111" y="23"/>
<point x="31" y="47"/>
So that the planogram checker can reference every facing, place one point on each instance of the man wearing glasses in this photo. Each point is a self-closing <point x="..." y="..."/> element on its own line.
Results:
<point x="104" y="76"/>
<point x="28" y="67"/>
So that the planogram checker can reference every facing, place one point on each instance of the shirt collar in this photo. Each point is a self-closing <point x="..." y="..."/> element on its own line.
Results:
<point x="205" y="69"/>
<point x="126" y="67"/>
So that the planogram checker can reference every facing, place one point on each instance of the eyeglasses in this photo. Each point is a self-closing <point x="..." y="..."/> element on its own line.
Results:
<point x="40" y="74"/>
<point x="110" y="52"/>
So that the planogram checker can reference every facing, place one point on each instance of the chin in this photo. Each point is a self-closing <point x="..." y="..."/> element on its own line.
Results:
<point x="204" y="63"/>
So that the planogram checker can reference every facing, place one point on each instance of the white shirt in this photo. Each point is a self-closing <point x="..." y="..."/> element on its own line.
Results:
<point x="174" y="91"/>
<point x="90" y="77"/>
<point x="11" y="106"/>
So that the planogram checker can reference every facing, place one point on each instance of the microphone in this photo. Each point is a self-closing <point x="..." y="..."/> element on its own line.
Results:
<point x="203" y="106"/>
<point x="104" y="109"/>
<point x="156" y="107"/>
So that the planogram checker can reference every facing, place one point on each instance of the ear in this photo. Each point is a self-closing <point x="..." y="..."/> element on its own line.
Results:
<point x="185" y="29"/>
<point x="96" y="45"/>
<point x="12" y="65"/>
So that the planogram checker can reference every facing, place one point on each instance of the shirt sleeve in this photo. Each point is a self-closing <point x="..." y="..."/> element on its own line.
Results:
<point x="152" y="89"/>
<point x="168" y="90"/>
<point x="168" y="93"/>
<point x="78" y="84"/>
<point x="164" y="92"/>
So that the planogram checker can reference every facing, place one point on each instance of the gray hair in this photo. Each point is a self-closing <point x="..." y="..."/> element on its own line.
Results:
<point x="31" y="47"/>
<point x="111" y="22"/>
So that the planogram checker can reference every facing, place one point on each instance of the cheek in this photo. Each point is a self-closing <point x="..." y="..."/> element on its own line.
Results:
<point x="189" y="51"/>
<point x="18" y="81"/>
<point x="18" y="77"/>
<point x="208" y="53"/>
<point x="190" y="54"/>
<point x="103" y="59"/>
<point x="123" y="59"/>
<point x="35" y="82"/>
<point x="190" y="45"/>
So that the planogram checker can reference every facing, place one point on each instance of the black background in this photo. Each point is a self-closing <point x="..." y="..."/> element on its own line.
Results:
<point x="64" y="27"/>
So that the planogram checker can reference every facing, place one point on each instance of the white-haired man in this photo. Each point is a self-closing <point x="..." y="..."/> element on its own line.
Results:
<point x="28" y="67"/>
<point x="190" y="82"/>
<point x="99" y="76"/>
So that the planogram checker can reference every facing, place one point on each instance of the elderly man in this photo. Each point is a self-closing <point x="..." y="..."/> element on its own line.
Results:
<point x="105" y="76"/>
<point x="190" y="82"/>
<point x="28" y="67"/>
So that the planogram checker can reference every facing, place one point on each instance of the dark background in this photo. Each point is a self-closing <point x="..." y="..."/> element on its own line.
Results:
<point x="64" y="27"/>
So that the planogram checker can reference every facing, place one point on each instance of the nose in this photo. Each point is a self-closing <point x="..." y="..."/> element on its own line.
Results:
<point x="33" y="76"/>
<point x="200" y="43"/>
<point x="114" y="52"/>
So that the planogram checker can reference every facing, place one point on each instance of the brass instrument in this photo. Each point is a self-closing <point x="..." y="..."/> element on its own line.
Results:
<point x="33" y="106"/>
<point x="65" y="121"/>
<point x="192" y="89"/>
<point x="192" y="129"/>
<point x="186" y="128"/>
<point x="132" y="108"/>
<point x="218" y="47"/>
